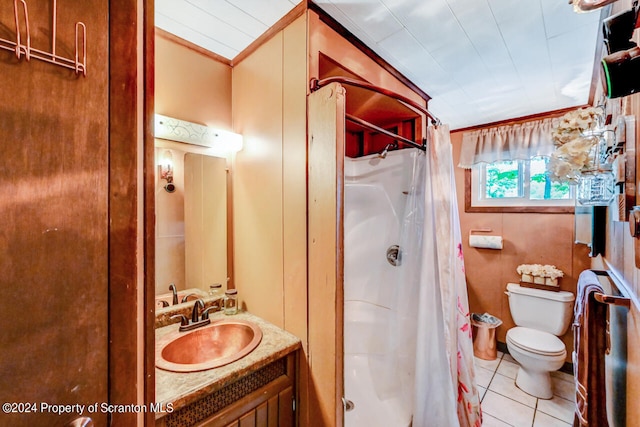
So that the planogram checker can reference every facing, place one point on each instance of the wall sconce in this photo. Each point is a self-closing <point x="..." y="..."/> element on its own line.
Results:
<point x="166" y="170"/>
<point x="220" y="142"/>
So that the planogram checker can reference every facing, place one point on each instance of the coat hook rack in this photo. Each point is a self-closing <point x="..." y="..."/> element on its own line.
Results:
<point x="22" y="44"/>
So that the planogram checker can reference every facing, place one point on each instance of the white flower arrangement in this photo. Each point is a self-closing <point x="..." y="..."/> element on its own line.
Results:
<point x="574" y="124"/>
<point x="550" y="271"/>
<point x="575" y="143"/>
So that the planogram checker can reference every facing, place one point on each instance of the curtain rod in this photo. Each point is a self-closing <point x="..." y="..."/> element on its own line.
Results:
<point x="390" y="134"/>
<point x="316" y="84"/>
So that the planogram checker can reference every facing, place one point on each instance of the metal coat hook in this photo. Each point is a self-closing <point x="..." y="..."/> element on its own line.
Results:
<point x="22" y="44"/>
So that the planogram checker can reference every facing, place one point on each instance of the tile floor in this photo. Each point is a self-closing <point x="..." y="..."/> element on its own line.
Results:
<point x="504" y="404"/>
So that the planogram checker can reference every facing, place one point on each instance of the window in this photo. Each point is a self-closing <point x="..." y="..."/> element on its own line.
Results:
<point x="517" y="183"/>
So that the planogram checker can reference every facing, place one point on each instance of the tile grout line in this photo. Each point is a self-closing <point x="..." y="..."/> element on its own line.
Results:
<point x="535" y="408"/>
<point x="535" y="412"/>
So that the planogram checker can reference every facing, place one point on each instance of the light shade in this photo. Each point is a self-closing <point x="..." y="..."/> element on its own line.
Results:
<point x="192" y="133"/>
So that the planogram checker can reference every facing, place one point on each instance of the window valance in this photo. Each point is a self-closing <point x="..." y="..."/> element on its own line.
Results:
<point x="513" y="142"/>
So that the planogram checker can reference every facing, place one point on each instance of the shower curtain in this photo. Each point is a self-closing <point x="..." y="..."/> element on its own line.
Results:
<point x="429" y="336"/>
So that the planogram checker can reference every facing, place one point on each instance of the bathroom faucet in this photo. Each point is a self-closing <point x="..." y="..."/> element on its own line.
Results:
<point x="199" y="316"/>
<point x="195" y="317"/>
<point x="186" y="297"/>
<point x="172" y="288"/>
<point x="196" y="320"/>
<point x="205" y="313"/>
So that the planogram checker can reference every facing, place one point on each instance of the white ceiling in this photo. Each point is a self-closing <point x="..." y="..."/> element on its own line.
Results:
<point x="481" y="61"/>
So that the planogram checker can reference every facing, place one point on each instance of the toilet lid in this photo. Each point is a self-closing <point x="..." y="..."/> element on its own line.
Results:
<point x="535" y="341"/>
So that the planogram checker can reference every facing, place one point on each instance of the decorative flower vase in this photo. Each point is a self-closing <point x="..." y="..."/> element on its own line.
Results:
<point x="527" y="278"/>
<point x="550" y="282"/>
<point x="539" y="280"/>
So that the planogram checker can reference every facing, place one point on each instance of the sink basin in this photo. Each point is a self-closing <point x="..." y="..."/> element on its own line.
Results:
<point x="212" y="346"/>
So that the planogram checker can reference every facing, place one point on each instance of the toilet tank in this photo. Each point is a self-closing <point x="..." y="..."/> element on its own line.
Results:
<point x="547" y="311"/>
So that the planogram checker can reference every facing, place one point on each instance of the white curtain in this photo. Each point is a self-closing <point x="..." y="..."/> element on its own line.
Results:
<point x="514" y="142"/>
<point x="429" y="338"/>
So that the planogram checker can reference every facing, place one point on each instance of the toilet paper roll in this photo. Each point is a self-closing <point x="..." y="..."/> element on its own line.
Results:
<point x="488" y="242"/>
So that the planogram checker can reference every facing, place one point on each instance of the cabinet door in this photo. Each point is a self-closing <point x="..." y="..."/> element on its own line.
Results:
<point x="271" y="406"/>
<point x="275" y="412"/>
<point x="285" y="408"/>
<point x="54" y="240"/>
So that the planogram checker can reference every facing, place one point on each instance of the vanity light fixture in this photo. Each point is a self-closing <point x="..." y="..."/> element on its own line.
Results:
<point x="166" y="170"/>
<point x="219" y="142"/>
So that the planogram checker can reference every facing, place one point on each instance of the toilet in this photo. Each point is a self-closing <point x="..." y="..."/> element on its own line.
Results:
<point x="540" y="317"/>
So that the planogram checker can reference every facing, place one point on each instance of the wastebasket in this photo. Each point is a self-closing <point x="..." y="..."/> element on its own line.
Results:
<point x="484" y="341"/>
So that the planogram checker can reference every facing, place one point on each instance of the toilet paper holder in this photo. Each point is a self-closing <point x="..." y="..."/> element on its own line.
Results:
<point x="480" y="230"/>
<point x="484" y="240"/>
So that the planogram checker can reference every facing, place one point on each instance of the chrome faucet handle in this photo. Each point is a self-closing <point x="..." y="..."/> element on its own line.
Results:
<point x="205" y="313"/>
<point x="172" y="288"/>
<point x="183" y="319"/>
<point x="194" y="315"/>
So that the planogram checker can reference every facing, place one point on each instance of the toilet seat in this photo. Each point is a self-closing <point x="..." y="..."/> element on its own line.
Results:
<point x="534" y="341"/>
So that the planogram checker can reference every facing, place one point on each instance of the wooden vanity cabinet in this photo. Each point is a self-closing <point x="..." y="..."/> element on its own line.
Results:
<point x="264" y="397"/>
<point x="272" y="407"/>
<point x="269" y="406"/>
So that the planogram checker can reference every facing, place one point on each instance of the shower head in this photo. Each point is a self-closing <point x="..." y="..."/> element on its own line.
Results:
<point x="385" y="150"/>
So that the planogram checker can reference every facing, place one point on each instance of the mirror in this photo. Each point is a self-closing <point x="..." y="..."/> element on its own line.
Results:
<point x="191" y="223"/>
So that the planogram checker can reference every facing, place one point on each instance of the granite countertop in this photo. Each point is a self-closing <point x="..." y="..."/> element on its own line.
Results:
<point x="183" y="388"/>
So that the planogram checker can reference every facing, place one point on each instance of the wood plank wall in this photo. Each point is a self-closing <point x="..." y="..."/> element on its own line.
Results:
<point x="326" y="253"/>
<point x="269" y="183"/>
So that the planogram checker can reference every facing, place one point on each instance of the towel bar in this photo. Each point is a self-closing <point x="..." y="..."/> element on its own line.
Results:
<point x="610" y="299"/>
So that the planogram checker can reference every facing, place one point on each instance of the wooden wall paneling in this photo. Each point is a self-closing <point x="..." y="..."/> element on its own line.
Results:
<point x="294" y="183"/>
<point x="192" y="86"/>
<point x="326" y="157"/>
<point x="295" y="193"/>
<point x="633" y="364"/>
<point x="148" y="384"/>
<point x="128" y="155"/>
<point x="258" y="181"/>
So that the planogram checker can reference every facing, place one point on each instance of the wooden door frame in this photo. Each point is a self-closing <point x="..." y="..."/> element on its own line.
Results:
<point x="131" y="208"/>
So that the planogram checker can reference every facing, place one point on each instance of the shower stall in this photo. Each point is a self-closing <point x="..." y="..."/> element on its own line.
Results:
<point x="375" y="193"/>
<point x="389" y="328"/>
